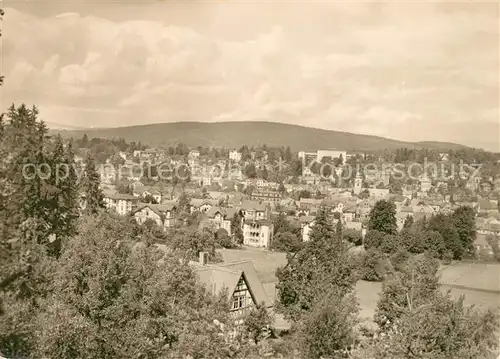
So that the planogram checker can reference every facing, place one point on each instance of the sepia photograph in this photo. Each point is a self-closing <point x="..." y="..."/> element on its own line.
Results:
<point x="245" y="179"/>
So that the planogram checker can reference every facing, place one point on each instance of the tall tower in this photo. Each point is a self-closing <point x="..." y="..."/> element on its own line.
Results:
<point x="358" y="184"/>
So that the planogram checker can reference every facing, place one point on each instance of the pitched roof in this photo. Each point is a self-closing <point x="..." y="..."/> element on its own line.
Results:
<point x="253" y="281"/>
<point x="306" y="219"/>
<point x="216" y="278"/>
<point x="121" y="196"/>
<point x="487" y="205"/>
<point x="159" y="209"/>
<point x="257" y="206"/>
<point x="198" y="202"/>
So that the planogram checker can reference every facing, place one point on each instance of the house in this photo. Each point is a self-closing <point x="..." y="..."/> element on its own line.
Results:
<point x="194" y="154"/>
<point x="425" y="184"/>
<point x="401" y="216"/>
<point x="349" y="212"/>
<point x="266" y="196"/>
<point x="257" y="227"/>
<point x="162" y="214"/>
<point x="306" y="223"/>
<point x="399" y="201"/>
<point x="220" y="218"/>
<point x="487" y="207"/>
<point x="257" y="232"/>
<point x="238" y="279"/>
<point x="123" y="155"/>
<point x="363" y="209"/>
<point x="379" y="192"/>
<point x="255" y="210"/>
<point x="206" y="181"/>
<point x="202" y="205"/>
<point x="235" y="156"/>
<point x="490" y="226"/>
<point x="154" y="193"/>
<point x="123" y="204"/>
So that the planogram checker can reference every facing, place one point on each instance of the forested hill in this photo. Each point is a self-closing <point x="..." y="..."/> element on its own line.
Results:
<point x="234" y="134"/>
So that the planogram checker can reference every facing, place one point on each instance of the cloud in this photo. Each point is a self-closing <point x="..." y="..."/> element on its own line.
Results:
<point x="372" y="68"/>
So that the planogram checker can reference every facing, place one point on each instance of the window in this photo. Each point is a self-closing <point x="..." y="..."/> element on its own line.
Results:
<point x="238" y="302"/>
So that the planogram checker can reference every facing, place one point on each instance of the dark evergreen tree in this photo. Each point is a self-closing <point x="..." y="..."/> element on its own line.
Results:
<point x="236" y="228"/>
<point x="463" y="219"/>
<point x="408" y="222"/>
<point x="339" y="228"/>
<point x="383" y="217"/>
<point x="93" y="194"/>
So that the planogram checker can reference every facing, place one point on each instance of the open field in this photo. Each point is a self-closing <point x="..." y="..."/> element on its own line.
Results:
<point x="479" y="283"/>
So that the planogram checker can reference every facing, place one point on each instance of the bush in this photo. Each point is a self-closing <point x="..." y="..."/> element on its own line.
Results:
<point x="353" y="236"/>
<point x="373" y="266"/>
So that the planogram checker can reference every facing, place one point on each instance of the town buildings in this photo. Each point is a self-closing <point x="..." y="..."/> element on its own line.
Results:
<point x="123" y="204"/>
<point x="235" y="156"/>
<point x="162" y="214"/>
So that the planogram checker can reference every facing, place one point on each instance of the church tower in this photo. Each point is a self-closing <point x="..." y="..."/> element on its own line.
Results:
<point x="358" y="184"/>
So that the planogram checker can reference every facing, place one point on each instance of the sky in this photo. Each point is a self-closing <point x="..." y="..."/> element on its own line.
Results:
<point x="413" y="71"/>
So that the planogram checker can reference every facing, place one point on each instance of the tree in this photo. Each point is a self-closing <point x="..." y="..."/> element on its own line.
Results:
<point x="329" y="329"/>
<point x="61" y="199"/>
<point x="286" y="242"/>
<point x="372" y="266"/>
<point x="222" y="238"/>
<point x="2" y="13"/>
<point x="322" y="265"/>
<point x="184" y="203"/>
<point x="236" y="228"/>
<point x="463" y="219"/>
<point x="150" y="199"/>
<point x="418" y="276"/>
<point x="353" y="236"/>
<point x="93" y="194"/>
<point x="288" y="154"/>
<point x="421" y="322"/>
<point x="373" y="239"/>
<point x="126" y="303"/>
<point x="408" y="221"/>
<point x="281" y="224"/>
<point x="443" y="224"/>
<point x="250" y="170"/>
<point x="383" y="217"/>
<point x="256" y="320"/>
<point x="338" y="228"/>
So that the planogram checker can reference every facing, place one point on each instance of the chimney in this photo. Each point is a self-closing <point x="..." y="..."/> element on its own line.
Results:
<point x="203" y="258"/>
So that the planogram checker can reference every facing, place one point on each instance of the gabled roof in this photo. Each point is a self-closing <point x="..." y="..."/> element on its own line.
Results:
<point x="399" y="198"/>
<point x="159" y="209"/>
<point x="487" y="205"/>
<point x="253" y="281"/>
<point x="120" y="196"/>
<point x="306" y="219"/>
<point x="255" y="205"/>
<point x="217" y="277"/>
<point x="227" y="213"/>
<point x="198" y="202"/>
<point x="350" y="207"/>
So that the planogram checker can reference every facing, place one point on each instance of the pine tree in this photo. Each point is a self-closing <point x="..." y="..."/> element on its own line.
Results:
<point x="236" y="228"/>
<point x="408" y="222"/>
<point x="93" y="193"/>
<point x="323" y="227"/>
<point x="339" y="228"/>
<point x="62" y="200"/>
